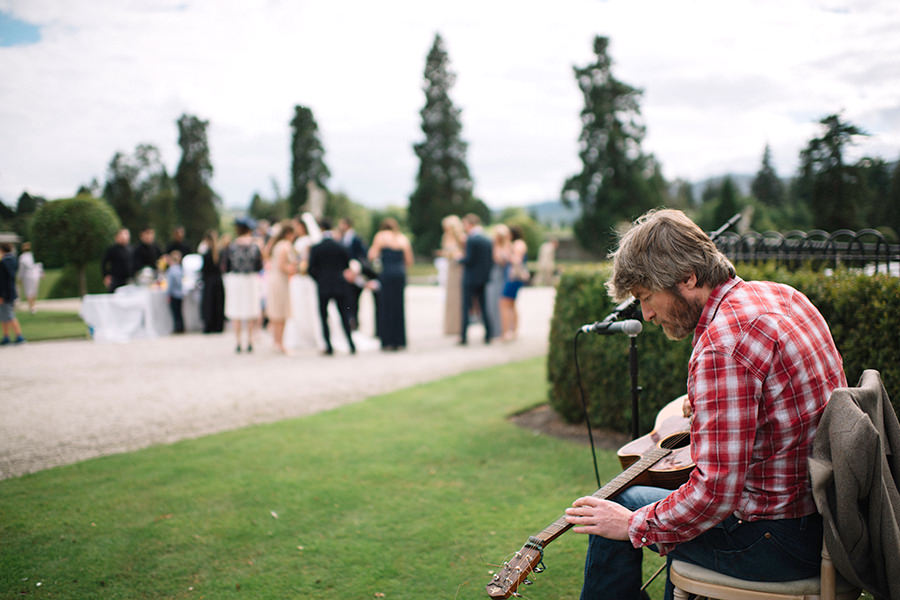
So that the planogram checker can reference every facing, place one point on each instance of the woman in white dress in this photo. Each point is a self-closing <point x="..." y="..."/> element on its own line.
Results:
<point x="30" y="273"/>
<point x="302" y="328"/>
<point x="242" y="262"/>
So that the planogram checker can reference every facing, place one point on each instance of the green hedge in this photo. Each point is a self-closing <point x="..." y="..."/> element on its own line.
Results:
<point x="862" y="311"/>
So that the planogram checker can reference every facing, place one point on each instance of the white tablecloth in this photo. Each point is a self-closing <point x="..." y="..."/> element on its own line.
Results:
<point x="136" y="312"/>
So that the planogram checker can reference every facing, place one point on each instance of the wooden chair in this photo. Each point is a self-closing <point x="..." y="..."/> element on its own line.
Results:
<point x="706" y="583"/>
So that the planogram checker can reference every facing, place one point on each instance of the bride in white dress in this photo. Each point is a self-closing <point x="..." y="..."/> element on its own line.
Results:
<point x="302" y="329"/>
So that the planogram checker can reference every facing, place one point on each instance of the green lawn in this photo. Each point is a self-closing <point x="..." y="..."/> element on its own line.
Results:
<point x="50" y="325"/>
<point x="415" y="494"/>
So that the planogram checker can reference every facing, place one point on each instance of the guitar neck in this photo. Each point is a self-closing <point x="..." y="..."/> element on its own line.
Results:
<point x="619" y="483"/>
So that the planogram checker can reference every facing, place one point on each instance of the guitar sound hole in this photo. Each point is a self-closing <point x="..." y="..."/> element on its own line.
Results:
<point x="673" y="442"/>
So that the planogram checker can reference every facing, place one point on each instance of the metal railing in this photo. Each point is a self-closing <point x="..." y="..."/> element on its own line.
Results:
<point x="866" y="248"/>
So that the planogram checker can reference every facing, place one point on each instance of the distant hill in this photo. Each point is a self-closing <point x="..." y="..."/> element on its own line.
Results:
<point x="743" y="183"/>
<point x="554" y="214"/>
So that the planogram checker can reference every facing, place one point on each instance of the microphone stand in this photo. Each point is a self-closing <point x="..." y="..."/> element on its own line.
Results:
<point x="635" y="388"/>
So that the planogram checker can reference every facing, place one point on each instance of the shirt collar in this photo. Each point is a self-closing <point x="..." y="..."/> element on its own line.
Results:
<point x="712" y="305"/>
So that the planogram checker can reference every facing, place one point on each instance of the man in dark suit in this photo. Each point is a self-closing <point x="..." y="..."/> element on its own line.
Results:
<point x="116" y="263"/>
<point x="328" y="260"/>
<point x="178" y="242"/>
<point x="477" y="263"/>
<point x="147" y="252"/>
<point x="357" y="250"/>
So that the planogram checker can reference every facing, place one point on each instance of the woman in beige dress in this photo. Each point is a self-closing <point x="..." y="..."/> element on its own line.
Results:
<point x="453" y="244"/>
<point x="278" y="293"/>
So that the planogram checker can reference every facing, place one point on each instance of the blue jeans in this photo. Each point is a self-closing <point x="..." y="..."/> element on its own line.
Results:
<point x="761" y="550"/>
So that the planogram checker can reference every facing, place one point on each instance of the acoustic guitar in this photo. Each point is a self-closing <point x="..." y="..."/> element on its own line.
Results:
<point x="661" y="458"/>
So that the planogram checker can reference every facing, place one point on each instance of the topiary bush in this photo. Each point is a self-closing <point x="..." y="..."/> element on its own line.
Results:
<point x="68" y="283"/>
<point x="863" y="313"/>
<point x="73" y="231"/>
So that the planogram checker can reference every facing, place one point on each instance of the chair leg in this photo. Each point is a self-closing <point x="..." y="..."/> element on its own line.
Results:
<point x="680" y="594"/>
<point x="827" y="577"/>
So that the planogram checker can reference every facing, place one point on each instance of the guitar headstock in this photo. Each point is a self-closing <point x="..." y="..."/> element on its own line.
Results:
<point x="515" y="572"/>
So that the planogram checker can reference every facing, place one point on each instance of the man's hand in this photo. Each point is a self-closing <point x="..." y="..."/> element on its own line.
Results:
<point x="599" y="517"/>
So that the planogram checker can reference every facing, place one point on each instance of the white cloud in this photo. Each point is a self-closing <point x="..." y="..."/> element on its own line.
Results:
<point x="720" y="81"/>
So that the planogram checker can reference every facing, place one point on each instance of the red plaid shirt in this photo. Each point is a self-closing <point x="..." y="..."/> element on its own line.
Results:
<point x="762" y="369"/>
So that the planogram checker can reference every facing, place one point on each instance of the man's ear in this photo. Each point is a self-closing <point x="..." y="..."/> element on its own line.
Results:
<point x="689" y="282"/>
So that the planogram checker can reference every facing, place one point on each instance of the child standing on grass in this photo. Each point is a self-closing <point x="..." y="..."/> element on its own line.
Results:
<point x="8" y="267"/>
<point x="174" y="275"/>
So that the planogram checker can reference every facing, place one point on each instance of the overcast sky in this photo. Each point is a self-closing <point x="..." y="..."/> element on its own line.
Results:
<point x="83" y="79"/>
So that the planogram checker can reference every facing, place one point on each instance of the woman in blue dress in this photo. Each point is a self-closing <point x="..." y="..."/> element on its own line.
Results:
<point x="392" y="248"/>
<point x="517" y="275"/>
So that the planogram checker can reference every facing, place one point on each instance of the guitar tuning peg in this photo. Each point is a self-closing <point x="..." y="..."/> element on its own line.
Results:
<point x="527" y="581"/>
<point x="516" y="595"/>
<point x="539" y="568"/>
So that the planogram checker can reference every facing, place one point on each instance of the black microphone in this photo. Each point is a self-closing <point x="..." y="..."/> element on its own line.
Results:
<point x="630" y="327"/>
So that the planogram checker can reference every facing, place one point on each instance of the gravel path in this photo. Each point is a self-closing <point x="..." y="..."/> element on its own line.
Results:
<point x="63" y="402"/>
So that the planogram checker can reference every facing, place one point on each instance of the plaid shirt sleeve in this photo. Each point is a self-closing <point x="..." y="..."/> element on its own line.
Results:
<point x="724" y="402"/>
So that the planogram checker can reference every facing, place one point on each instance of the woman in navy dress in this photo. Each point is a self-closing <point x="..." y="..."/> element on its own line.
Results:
<point x="212" y="304"/>
<point x="394" y="251"/>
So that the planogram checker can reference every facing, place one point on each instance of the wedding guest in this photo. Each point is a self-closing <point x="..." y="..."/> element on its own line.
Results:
<point x="212" y="301"/>
<point x="502" y="239"/>
<point x="393" y="249"/>
<point x="546" y="263"/>
<point x="282" y="265"/>
<point x="241" y="263"/>
<point x="516" y="276"/>
<point x="328" y="259"/>
<point x="302" y="328"/>
<point x="477" y="262"/>
<point x="116" y="263"/>
<point x="8" y="295"/>
<point x="178" y="243"/>
<point x="147" y="252"/>
<point x="175" y="289"/>
<point x="453" y="243"/>
<point x="30" y="274"/>
<point x="357" y="250"/>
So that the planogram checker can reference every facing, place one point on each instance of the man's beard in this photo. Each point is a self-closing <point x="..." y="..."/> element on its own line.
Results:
<point x="684" y="319"/>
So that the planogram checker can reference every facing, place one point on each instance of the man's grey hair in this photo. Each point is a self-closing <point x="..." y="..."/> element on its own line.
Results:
<point x="662" y="249"/>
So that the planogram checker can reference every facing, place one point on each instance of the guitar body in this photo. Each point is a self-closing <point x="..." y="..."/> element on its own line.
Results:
<point x="671" y="431"/>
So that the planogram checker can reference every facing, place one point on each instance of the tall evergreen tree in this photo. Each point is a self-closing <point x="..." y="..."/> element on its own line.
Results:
<point x="825" y="181"/>
<point x="195" y="201"/>
<point x="20" y="219"/>
<point x="729" y="202"/>
<point x="443" y="183"/>
<point x="120" y="193"/>
<point x="307" y="158"/>
<point x="140" y="191"/>
<point x="766" y="186"/>
<point x="618" y="181"/>
<point x="161" y="205"/>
